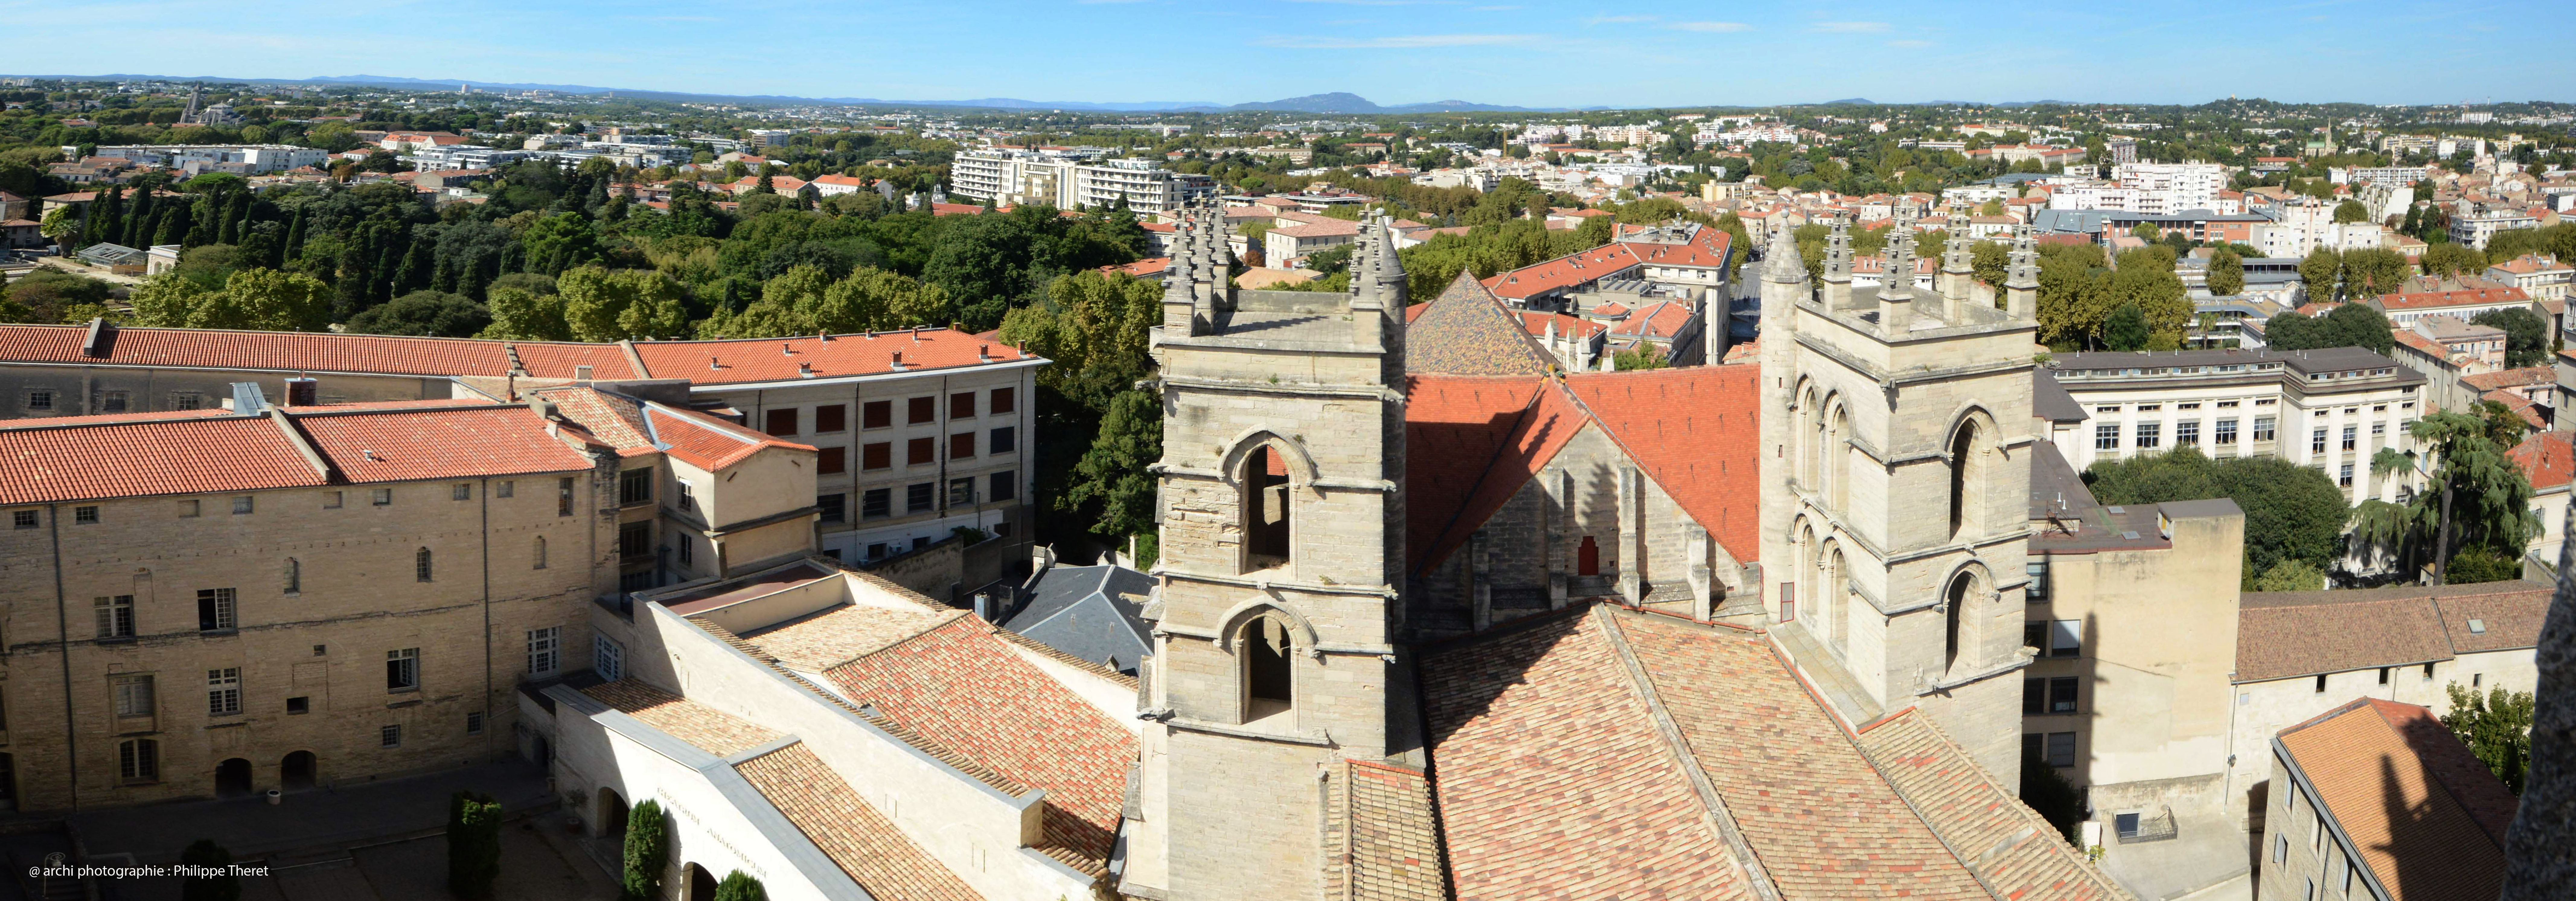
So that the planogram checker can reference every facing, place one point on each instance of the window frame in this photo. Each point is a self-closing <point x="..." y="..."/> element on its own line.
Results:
<point x="402" y="670"/>
<point x="218" y="610"/>
<point x="223" y="691"/>
<point x="545" y="645"/>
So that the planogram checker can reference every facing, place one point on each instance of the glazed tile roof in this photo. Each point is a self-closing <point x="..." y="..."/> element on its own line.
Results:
<point x="853" y="833"/>
<point x="1381" y="841"/>
<point x="707" y="728"/>
<point x="2284" y="634"/>
<point x="302" y="352"/>
<point x="961" y="687"/>
<point x="201" y="454"/>
<point x="2425" y="816"/>
<point x="450" y="443"/>
<point x="1466" y="331"/>
<point x="778" y="359"/>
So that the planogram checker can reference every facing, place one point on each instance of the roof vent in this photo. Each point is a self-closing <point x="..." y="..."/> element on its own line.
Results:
<point x="2117" y="509"/>
<point x="826" y="336"/>
<point x="101" y="339"/>
<point x="369" y="454"/>
<point x="983" y="353"/>
<point x="898" y="359"/>
<point x="247" y="398"/>
<point x="712" y="364"/>
<point x="2478" y="627"/>
<point x="2132" y="536"/>
<point x="581" y="372"/>
<point x="786" y="349"/>
<point x="805" y="370"/>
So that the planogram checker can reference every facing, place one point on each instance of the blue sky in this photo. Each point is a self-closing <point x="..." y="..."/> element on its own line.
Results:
<point x="1513" y="52"/>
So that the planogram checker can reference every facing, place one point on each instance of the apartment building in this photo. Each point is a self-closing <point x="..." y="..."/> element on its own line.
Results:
<point x="2328" y="410"/>
<point x="2377" y="799"/>
<point x="2477" y="228"/>
<point x="254" y="159"/>
<point x="2539" y="275"/>
<point x="1072" y="179"/>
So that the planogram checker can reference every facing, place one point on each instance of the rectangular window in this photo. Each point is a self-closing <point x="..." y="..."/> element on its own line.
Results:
<point x="331" y="500"/>
<point x="831" y="418"/>
<point x="635" y="486"/>
<point x="2321" y="683"/>
<point x="133" y="695"/>
<point x="876" y="414"/>
<point x="634" y="539"/>
<point x="2351" y="437"/>
<point x="23" y="519"/>
<point x="607" y="658"/>
<point x="545" y="650"/>
<point x="184" y="400"/>
<point x="382" y="497"/>
<point x="781" y="422"/>
<point x="299" y="705"/>
<point x="138" y="760"/>
<point x="876" y="455"/>
<point x="242" y="505"/>
<point x="961" y="492"/>
<point x="2226" y="433"/>
<point x="2345" y="479"/>
<point x="116" y="616"/>
<point x="506" y="489"/>
<point x="2106" y="436"/>
<point x="2378" y="429"/>
<point x="920" y="410"/>
<point x="461" y="491"/>
<point x="2061" y="749"/>
<point x="921" y="451"/>
<point x="920" y="496"/>
<point x="390" y="736"/>
<point x="831" y="460"/>
<point x="2034" y="697"/>
<point x="40" y="400"/>
<point x="215" y="609"/>
<point x="2061" y="694"/>
<point x="688" y="494"/>
<point x="833" y="507"/>
<point x="877" y="503"/>
<point x="223" y="691"/>
<point x="474" y="724"/>
<point x="685" y="548"/>
<point x="84" y="516"/>
<point x="1004" y="401"/>
<point x="2034" y="635"/>
<point x="2281" y="849"/>
<point x="2037" y="591"/>
<point x="563" y="496"/>
<point x="402" y="669"/>
<point x="2428" y="673"/>
<point x="2383" y="675"/>
<point x="1005" y="440"/>
<point x="2066" y="638"/>
<point x="2317" y="441"/>
<point x="2150" y="434"/>
<point x="961" y="446"/>
<point x="112" y="402"/>
<point x="2263" y="428"/>
<point x="2186" y="433"/>
<point x="1004" y="486"/>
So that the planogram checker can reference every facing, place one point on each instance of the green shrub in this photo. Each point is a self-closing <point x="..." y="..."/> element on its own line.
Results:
<point x="648" y="852"/>
<point x="473" y="844"/>
<point x="739" y="886"/>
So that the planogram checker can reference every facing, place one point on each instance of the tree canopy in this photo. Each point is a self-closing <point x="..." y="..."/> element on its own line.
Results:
<point x="2292" y="512"/>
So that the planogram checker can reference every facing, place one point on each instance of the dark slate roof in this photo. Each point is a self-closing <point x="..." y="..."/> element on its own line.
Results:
<point x="2051" y="401"/>
<point x="1083" y="611"/>
<point x="1466" y="331"/>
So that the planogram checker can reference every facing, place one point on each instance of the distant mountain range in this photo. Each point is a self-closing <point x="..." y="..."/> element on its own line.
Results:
<point x="1337" y="102"/>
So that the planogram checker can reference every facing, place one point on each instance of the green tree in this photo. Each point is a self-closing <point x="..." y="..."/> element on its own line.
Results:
<point x="424" y="314"/>
<point x="2373" y="272"/>
<point x="559" y="242"/>
<point x="2290" y="575"/>
<point x="60" y="225"/>
<point x="2126" y="329"/>
<point x="2318" y="273"/>
<point x="263" y="299"/>
<point x="1111" y="476"/>
<point x="48" y="293"/>
<point x="604" y="305"/>
<point x="1643" y="356"/>
<point x="2497" y="728"/>
<point x="473" y="844"/>
<point x="2526" y="335"/>
<point x="218" y="886"/>
<point x="648" y="852"/>
<point x="522" y="315"/>
<point x="2444" y="259"/>
<point x="740" y="886"/>
<point x="2292" y="512"/>
<point x="2226" y="273"/>
<point x="2475" y="495"/>
<point x="2351" y="211"/>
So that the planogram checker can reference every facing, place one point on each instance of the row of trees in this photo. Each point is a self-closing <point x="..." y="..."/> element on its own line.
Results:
<point x="2294" y="515"/>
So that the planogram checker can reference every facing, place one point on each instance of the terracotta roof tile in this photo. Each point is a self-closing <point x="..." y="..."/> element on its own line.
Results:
<point x="2548" y="459"/>
<point x="1382" y="836"/>
<point x="2494" y="616"/>
<point x="1688" y="427"/>
<point x="616" y="421"/>
<point x="846" y="633"/>
<point x="2511" y="378"/>
<point x="707" y="728"/>
<point x="1466" y="331"/>
<point x="1564" y="272"/>
<point x="406" y="446"/>
<point x="2465" y="297"/>
<point x="778" y="359"/>
<point x="2282" y="634"/>
<point x="1552" y="419"/>
<point x="303" y="352"/>
<point x="2425" y="816"/>
<point x="164" y="455"/>
<point x="868" y="846"/>
<point x="1453" y="427"/>
<point x="704" y="441"/>
<point x="2008" y="845"/>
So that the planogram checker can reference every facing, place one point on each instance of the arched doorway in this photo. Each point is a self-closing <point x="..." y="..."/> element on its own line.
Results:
<point x="612" y="814"/>
<point x="232" y="778"/>
<point x="298" y="771"/>
<point x="702" y="884"/>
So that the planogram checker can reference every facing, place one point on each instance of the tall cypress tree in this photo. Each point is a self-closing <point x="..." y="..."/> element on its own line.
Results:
<point x="294" y="246"/>
<point x="138" y="222"/>
<point x="111" y="216"/>
<point x="174" y="225"/>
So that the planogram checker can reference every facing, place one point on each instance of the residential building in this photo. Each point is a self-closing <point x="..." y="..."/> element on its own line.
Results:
<point x="1687" y="256"/>
<point x="1069" y="179"/>
<point x="2463" y="303"/>
<point x="2476" y="228"/>
<point x="2539" y="275"/>
<point x="2328" y="410"/>
<point x="2378" y="799"/>
<point x="2445" y="350"/>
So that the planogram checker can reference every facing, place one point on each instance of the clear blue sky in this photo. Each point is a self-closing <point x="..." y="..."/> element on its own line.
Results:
<point x="1513" y="52"/>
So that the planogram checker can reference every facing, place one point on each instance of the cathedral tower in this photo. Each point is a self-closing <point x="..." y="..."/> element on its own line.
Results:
<point x="1896" y="438"/>
<point x="1281" y="551"/>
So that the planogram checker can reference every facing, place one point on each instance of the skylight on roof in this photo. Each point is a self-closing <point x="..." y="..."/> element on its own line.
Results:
<point x="2477" y="627"/>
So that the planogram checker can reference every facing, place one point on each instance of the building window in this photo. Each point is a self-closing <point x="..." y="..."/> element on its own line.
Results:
<point x="331" y="500"/>
<point x="682" y="544"/>
<point x="920" y="410"/>
<point x="506" y="489"/>
<point x="634" y="539"/>
<point x="1004" y="400"/>
<point x="23" y="519"/>
<point x="831" y="418"/>
<point x="635" y="486"/>
<point x="920" y="497"/>
<point x="133" y="696"/>
<point x="461" y="491"/>
<point x="2034" y="635"/>
<point x="876" y="414"/>
<point x="2317" y="441"/>
<point x="84" y="516"/>
<point x="40" y="400"/>
<point x="242" y="505"/>
<point x="2226" y="432"/>
<point x="2351" y="437"/>
<point x="2187" y="433"/>
<point x="1266" y="510"/>
<point x="1005" y="440"/>
<point x="223" y="691"/>
<point x="1004" y="486"/>
<point x="961" y="446"/>
<point x="402" y="669"/>
<point x="421" y="565"/>
<point x="545" y="650"/>
<point x="2378" y="430"/>
<point x="2263" y="428"/>
<point x="2281" y="849"/>
<point x="961" y="405"/>
<point x="781" y="422"/>
<point x="563" y="496"/>
<point x="111" y="402"/>
<point x="382" y="497"/>
<point x="2066" y="638"/>
<point x="2383" y="675"/>
<point x="188" y="509"/>
<point x="537" y="552"/>
<point x="2036" y="592"/>
<point x="831" y="460"/>
<point x="1268" y="679"/>
<point x="2034" y="697"/>
<point x="876" y="455"/>
<point x="2321" y="683"/>
<point x="2428" y="673"/>
<point x="834" y="507"/>
<point x="294" y="576"/>
<point x="961" y="492"/>
<point x="390" y="736"/>
<point x="2061" y="749"/>
<point x="299" y="705"/>
<point x="607" y="658"/>
<point x="2150" y="434"/>
<point x="2345" y="478"/>
<point x="116" y="616"/>
<point x="877" y="503"/>
<point x="921" y="451"/>
<point x="2061" y="694"/>
<point x="2106" y="436"/>
<point x="215" y="610"/>
<point x="138" y="760"/>
<point x="688" y="493"/>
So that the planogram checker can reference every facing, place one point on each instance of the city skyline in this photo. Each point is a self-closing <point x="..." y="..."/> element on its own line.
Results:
<point x="1393" y="52"/>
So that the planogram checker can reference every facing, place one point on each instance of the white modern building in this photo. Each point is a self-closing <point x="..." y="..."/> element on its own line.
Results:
<point x="258" y="158"/>
<point x="2328" y="410"/>
<point x="1072" y="180"/>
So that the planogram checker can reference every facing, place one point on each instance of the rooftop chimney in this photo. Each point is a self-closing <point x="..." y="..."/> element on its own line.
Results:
<point x="581" y="372"/>
<point x="898" y="360"/>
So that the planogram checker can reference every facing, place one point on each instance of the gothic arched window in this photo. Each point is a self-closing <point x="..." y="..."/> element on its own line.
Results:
<point x="1267" y="683"/>
<point x="1967" y="479"/>
<point x="1266" y="532"/>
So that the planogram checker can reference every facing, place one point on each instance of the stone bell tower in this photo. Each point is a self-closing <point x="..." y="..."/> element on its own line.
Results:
<point x="1896" y="427"/>
<point x="1282" y="546"/>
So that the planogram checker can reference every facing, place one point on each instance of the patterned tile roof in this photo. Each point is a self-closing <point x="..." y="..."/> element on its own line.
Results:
<point x="2464" y="297"/>
<point x="1687" y="427"/>
<point x="2502" y="616"/>
<point x="2426" y="817"/>
<point x="961" y="687"/>
<point x="300" y="352"/>
<point x="2548" y="459"/>
<point x="868" y="846"/>
<point x="846" y="633"/>
<point x="707" y="728"/>
<point x="2002" y="840"/>
<point x="1381" y="839"/>
<point x="615" y="420"/>
<point x="400" y="446"/>
<point x="1466" y="331"/>
<point x="2281" y="634"/>
<point x="200" y="454"/>
<point x="1552" y="420"/>
<point x="779" y="359"/>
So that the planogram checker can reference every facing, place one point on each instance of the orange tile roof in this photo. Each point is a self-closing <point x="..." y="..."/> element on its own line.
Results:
<point x="2520" y="405"/>
<point x="301" y="352"/>
<point x="704" y="441"/>
<point x="778" y="359"/>
<point x="1563" y="272"/>
<point x="41" y="462"/>
<point x="1551" y="421"/>
<point x="2424" y="815"/>
<point x="2511" y="378"/>
<point x="411" y="445"/>
<point x="1453" y="427"/>
<point x="1970" y="809"/>
<point x="962" y="688"/>
<point x="1382" y="838"/>
<point x="1687" y="427"/>
<point x="2465" y="297"/>
<point x="2546" y="458"/>
<point x="853" y="833"/>
<point x="703" y="727"/>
